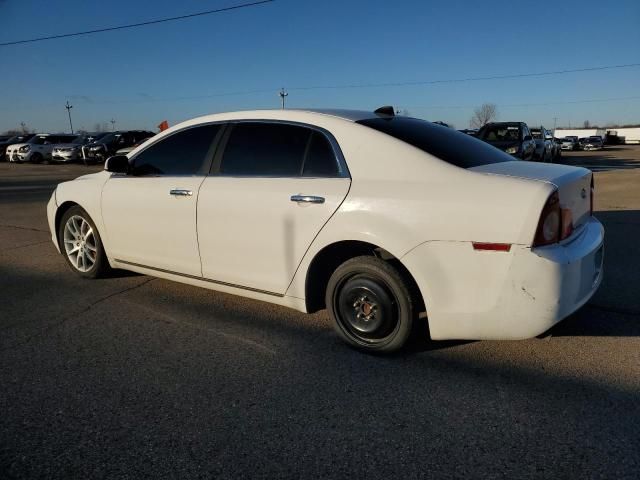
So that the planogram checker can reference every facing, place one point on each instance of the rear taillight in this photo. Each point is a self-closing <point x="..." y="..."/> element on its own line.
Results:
<point x="592" y="191"/>
<point x="550" y="224"/>
<point x="556" y="223"/>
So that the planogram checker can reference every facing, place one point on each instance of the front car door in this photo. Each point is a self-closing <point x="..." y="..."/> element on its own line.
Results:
<point x="150" y="214"/>
<point x="273" y="187"/>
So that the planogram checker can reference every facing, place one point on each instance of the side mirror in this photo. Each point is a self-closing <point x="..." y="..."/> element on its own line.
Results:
<point x="528" y="138"/>
<point x="117" y="164"/>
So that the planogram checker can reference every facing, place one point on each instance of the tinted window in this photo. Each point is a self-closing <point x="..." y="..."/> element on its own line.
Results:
<point x="182" y="153"/>
<point x="38" y="140"/>
<point x="500" y="133"/>
<point x="265" y="149"/>
<point x="320" y="160"/>
<point x="447" y="144"/>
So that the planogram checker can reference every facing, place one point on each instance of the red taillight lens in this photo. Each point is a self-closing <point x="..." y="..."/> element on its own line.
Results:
<point x="593" y="188"/>
<point x="550" y="224"/>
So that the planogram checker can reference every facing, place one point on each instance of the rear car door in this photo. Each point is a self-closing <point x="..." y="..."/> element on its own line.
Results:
<point x="273" y="187"/>
<point x="150" y="214"/>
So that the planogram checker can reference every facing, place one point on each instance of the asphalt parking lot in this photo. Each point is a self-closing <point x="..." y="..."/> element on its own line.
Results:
<point x="132" y="376"/>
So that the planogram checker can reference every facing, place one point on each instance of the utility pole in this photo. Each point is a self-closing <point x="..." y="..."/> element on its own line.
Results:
<point x="24" y="127"/>
<point x="113" y="124"/>
<point x="283" y="94"/>
<point x="555" y="120"/>
<point x="69" y="107"/>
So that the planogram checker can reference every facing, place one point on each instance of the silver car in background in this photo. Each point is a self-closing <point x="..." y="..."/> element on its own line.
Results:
<point x="592" y="143"/>
<point x="71" y="152"/>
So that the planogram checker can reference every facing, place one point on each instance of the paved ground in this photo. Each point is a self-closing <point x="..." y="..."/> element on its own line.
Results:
<point x="139" y="377"/>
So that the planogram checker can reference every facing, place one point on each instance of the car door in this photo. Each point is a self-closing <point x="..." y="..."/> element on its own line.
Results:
<point x="150" y="214"/>
<point x="273" y="187"/>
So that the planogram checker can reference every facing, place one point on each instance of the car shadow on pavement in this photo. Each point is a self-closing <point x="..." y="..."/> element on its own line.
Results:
<point x="602" y="162"/>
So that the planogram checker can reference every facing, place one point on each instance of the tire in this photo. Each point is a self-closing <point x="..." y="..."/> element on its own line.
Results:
<point x="81" y="245"/>
<point x="36" y="158"/>
<point x="370" y="305"/>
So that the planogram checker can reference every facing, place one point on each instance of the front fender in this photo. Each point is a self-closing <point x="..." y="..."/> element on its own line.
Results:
<point x="85" y="191"/>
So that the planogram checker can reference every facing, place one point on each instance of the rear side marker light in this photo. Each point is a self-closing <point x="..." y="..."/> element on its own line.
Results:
<point x="496" y="247"/>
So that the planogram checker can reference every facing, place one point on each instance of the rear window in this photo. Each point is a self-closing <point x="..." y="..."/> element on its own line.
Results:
<point x="444" y="143"/>
<point x="500" y="133"/>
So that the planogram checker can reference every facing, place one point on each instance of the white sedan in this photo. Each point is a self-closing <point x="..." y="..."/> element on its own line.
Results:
<point x="376" y="217"/>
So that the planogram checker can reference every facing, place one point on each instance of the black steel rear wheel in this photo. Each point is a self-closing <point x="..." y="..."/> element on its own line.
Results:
<point x="370" y="304"/>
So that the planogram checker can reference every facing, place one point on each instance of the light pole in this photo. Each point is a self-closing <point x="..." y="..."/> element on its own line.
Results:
<point x="113" y="124"/>
<point x="69" y="107"/>
<point x="283" y="94"/>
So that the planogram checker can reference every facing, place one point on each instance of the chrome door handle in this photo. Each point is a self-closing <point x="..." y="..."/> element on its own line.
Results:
<point x="180" y="193"/>
<point x="306" y="199"/>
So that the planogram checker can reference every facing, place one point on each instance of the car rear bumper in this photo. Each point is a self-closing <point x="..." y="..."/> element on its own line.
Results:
<point x="495" y="295"/>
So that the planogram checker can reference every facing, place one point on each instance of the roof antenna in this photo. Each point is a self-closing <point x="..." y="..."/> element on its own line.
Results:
<point x="386" y="110"/>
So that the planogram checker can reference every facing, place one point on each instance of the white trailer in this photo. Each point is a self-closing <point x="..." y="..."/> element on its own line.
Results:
<point x="626" y="135"/>
<point x="580" y="132"/>
<point x="630" y="135"/>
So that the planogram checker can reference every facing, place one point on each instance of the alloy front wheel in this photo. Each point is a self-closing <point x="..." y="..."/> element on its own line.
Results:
<point x="81" y="245"/>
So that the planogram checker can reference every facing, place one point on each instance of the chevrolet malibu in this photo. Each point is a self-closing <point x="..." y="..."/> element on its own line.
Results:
<point x="385" y="221"/>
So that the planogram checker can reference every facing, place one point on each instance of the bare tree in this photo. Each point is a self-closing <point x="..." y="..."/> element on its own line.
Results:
<point x="586" y="124"/>
<point x="483" y="115"/>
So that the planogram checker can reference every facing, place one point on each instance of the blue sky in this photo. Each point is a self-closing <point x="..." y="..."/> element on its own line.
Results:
<point x="175" y="70"/>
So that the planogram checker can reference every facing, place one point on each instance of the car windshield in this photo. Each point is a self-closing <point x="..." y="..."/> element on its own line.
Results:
<point x="594" y="139"/>
<point x="110" y="138"/>
<point x="444" y="143"/>
<point x="500" y="133"/>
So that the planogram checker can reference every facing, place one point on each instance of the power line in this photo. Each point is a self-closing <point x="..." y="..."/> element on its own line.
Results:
<point x="372" y="85"/>
<point x="571" y="102"/>
<point x="141" y="24"/>
<point x="467" y="79"/>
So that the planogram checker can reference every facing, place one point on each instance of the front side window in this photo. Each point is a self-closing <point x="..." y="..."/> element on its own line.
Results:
<point x="182" y="153"/>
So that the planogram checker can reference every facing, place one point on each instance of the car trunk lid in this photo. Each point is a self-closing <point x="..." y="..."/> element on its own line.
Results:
<point x="573" y="183"/>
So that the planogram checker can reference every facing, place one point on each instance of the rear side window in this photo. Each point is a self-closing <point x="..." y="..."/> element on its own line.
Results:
<point x="444" y="143"/>
<point x="182" y="153"/>
<point x="320" y="160"/>
<point x="265" y="149"/>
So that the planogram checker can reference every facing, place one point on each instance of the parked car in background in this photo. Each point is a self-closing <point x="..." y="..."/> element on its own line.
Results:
<point x="591" y="143"/>
<point x="285" y="206"/>
<point x="100" y="150"/>
<point x="557" y="148"/>
<point x="12" y="140"/>
<point x="513" y="138"/>
<point x="38" y="148"/>
<point x="71" y="152"/>
<point x="126" y="150"/>
<point x="544" y="147"/>
<point x="569" y="143"/>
